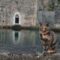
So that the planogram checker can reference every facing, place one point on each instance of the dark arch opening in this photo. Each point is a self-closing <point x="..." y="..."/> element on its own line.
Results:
<point x="17" y="19"/>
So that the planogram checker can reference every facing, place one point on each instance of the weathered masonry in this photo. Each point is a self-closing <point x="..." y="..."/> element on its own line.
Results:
<point x="18" y="12"/>
<point x="25" y="12"/>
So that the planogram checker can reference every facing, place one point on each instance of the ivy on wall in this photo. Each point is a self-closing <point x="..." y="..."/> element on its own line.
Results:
<point x="58" y="1"/>
<point x="51" y="6"/>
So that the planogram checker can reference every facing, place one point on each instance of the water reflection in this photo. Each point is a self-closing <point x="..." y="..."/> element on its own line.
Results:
<point x="22" y="41"/>
<point x="17" y="41"/>
<point x="16" y="37"/>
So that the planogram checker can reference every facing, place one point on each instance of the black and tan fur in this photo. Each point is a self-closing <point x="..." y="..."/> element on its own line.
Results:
<point x="48" y="38"/>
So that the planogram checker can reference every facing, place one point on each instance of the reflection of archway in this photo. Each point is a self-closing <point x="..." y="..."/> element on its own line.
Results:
<point x="17" y="18"/>
<point x="16" y="37"/>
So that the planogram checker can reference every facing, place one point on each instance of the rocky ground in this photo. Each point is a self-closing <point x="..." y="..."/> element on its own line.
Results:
<point x="29" y="57"/>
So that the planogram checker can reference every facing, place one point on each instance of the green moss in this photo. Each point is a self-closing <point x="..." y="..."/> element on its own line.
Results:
<point x="51" y="7"/>
<point x="58" y="1"/>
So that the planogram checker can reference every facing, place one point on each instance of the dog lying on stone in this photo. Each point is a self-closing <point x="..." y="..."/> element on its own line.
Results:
<point x="48" y="38"/>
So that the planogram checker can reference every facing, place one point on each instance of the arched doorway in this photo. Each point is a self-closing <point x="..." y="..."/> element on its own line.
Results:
<point x="17" y="19"/>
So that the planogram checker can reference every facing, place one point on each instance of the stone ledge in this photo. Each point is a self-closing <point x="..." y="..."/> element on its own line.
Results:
<point x="29" y="57"/>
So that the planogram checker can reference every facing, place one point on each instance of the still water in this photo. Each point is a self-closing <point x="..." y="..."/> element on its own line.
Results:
<point x="24" y="41"/>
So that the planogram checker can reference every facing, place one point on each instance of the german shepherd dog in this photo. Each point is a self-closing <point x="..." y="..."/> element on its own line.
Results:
<point x="48" y="38"/>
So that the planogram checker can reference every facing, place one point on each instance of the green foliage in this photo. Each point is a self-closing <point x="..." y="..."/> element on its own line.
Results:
<point x="58" y="1"/>
<point x="51" y="6"/>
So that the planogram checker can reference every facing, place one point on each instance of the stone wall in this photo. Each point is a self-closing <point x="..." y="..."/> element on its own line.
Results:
<point x="26" y="8"/>
<point x="46" y="16"/>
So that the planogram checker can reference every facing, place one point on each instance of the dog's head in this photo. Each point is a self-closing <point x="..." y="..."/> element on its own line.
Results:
<point x="44" y="27"/>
